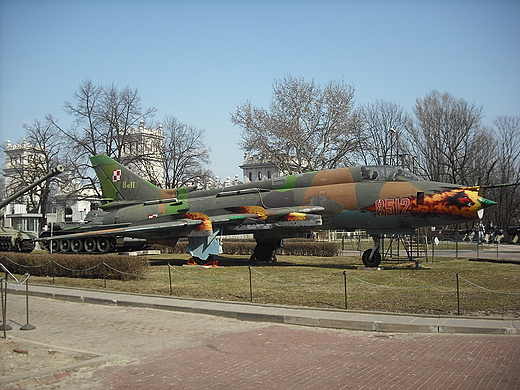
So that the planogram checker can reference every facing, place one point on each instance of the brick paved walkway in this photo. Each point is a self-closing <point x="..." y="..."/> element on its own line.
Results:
<point x="284" y="357"/>
<point x="159" y="349"/>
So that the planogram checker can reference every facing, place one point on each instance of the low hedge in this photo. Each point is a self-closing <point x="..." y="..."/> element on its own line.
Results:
<point x="299" y="248"/>
<point x="110" y="266"/>
<point x="291" y="247"/>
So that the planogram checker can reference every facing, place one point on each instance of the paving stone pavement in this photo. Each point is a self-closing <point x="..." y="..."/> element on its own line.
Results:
<point x="113" y="347"/>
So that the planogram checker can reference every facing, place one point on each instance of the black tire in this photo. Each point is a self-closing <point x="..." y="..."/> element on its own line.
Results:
<point x="104" y="244"/>
<point x="64" y="245"/>
<point x="90" y="245"/>
<point x="371" y="262"/>
<point x="263" y="252"/>
<point x="76" y="245"/>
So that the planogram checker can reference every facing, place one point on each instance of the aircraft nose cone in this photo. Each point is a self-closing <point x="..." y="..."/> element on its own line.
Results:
<point x="486" y="202"/>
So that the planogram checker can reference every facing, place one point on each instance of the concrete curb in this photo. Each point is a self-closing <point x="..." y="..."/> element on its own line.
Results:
<point x="323" y="318"/>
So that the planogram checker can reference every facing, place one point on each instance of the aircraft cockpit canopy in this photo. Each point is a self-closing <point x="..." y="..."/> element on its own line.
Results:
<point x="387" y="173"/>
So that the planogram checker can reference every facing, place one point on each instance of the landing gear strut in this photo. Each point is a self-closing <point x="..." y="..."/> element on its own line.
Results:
<point x="264" y="250"/>
<point x="372" y="257"/>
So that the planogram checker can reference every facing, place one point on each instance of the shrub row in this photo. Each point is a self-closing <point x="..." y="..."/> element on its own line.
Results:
<point x="291" y="247"/>
<point x="76" y="266"/>
<point x="322" y="249"/>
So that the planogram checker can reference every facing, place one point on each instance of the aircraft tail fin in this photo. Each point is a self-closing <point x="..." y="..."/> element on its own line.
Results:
<point x="118" y="183"/>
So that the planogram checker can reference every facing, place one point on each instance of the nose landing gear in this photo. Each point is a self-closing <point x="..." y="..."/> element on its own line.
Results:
<point x="372" y="257"/>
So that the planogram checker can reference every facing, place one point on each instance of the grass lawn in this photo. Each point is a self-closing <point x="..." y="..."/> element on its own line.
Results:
<point x="320" y="282"/>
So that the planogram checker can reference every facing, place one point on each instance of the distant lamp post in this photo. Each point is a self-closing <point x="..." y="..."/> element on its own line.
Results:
<point x="393" y="139"/>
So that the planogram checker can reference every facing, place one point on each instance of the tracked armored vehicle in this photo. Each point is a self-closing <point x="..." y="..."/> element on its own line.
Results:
<point x="93" y="220"/>
<point x="13" y="240"/>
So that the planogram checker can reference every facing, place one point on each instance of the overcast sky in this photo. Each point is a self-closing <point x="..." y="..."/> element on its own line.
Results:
<point x="198" y="60"/>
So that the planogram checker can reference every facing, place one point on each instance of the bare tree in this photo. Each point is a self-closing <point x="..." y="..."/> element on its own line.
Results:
<point x="86" y="132"/>
<point x="120" y="112"/>
<point x="103" y="118"/>
<point x="444" y="137"/>
<point x="306" y="128"/>
<point x="507" y="170"/>
<point x="481" y="166"/>
<point x="46" y="142"/>
<point x="185" y="155"/>
<point x="385" y="124"/>
<point x="33" y="158"/>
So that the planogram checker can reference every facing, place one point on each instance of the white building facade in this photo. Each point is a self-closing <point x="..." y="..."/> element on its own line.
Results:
<point x="18" y="162"/>
<point x="146" y="144"/>
<point x="73" y="202"/>
<point x="258" y="168"/>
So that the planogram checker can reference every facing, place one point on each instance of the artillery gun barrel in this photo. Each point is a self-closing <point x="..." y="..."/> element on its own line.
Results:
<point x="53" y="172"/>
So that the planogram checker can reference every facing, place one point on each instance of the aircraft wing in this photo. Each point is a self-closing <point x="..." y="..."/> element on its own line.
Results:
<point x="129" y="230"/>
<point x="246" y="219"/>
<point x="281" y="217"/>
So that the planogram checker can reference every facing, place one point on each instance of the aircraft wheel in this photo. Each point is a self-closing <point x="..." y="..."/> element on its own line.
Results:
<point x="104" y="244"/>
<point x="64" y="245"/>
<point x="76" y="245"/>
<point x="263" y="252"/>
<point x="90" y="245"/>
<point x="371" y="262"/>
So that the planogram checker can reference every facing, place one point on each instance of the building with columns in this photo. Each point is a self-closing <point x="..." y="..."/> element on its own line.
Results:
<point x="147" y="144"/>
<point x="73" y="202"/>
<point x="258" y="168"/>
<point x="19" y="160"/>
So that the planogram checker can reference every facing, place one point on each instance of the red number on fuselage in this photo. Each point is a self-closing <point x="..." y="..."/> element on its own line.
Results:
<point x="393" y="206"/>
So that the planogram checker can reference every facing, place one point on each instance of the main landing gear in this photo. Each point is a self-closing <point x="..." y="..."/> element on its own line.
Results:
<point x="264" y="250"/>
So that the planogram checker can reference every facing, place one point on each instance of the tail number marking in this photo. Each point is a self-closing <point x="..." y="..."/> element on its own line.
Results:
<point x="394" y="206"/>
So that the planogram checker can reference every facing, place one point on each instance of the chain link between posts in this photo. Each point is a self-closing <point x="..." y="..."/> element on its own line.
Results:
<point x="344" y="274"/>
<point x="250" y="270"/>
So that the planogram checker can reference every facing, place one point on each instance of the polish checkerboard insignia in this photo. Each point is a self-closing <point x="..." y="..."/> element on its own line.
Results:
<point x="116" y="175"/>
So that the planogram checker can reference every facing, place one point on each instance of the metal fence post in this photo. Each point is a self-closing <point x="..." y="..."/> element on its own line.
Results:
<point x="170" y="277"/>
<point x="27" y="325"/>
<point x="250" y="285"/>
<point x="104" y="275"/>
<point x="3" y="311"/>
<point x="345" y="284"/>
<point x="4" y="326"/>
<point x="458" y="295"/>
<point x="433" y="253"/>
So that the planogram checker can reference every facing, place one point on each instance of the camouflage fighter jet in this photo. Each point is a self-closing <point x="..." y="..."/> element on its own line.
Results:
<point x="378" y="199"/>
